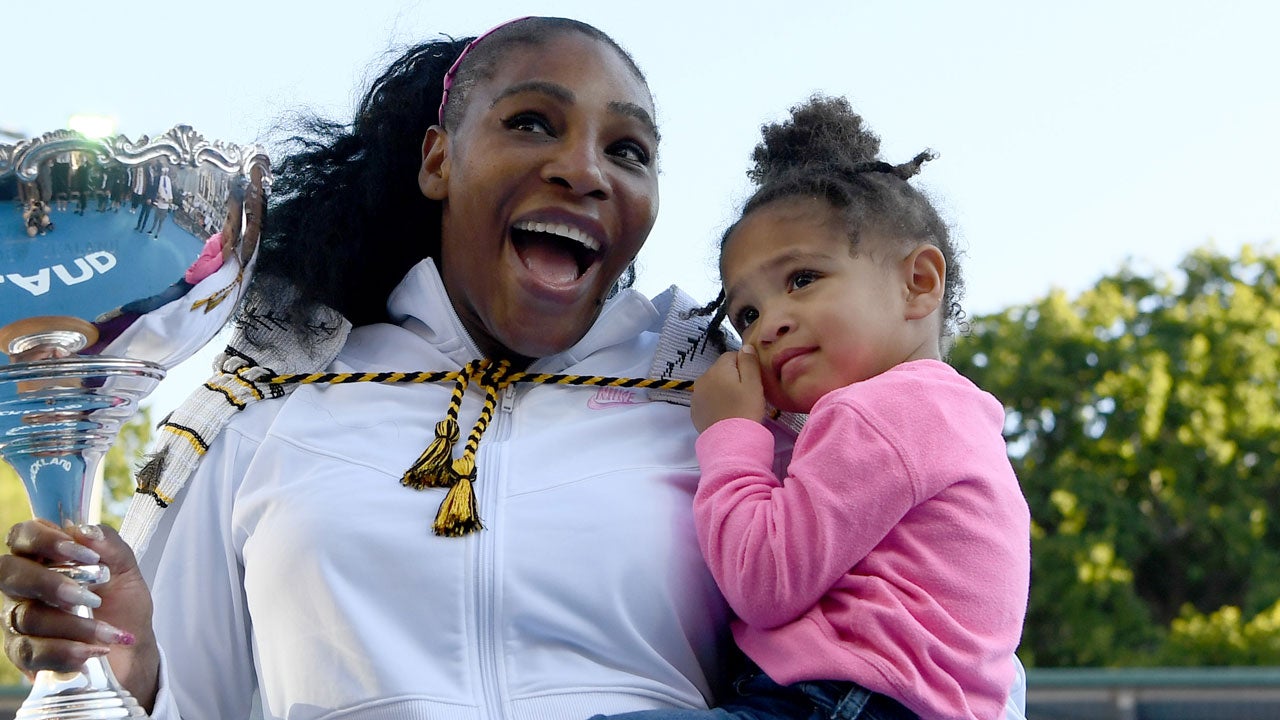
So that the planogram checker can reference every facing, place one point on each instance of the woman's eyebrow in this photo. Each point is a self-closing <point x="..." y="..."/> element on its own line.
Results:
<point x="635" y="111"/>
<point x="557" y="91"/>
<point x="565" y="95"/>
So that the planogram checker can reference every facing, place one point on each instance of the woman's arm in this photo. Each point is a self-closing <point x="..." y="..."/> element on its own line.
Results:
<point x="201" y="620"/>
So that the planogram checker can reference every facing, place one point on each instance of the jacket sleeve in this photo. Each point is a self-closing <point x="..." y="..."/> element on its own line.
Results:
<point x="1015" y="706"/>
<point x="775" y="547"/>
<point x="200" y="618"/>
<point x="209" y="260"/>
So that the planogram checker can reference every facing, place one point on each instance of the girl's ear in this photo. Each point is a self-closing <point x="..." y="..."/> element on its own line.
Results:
<point x="433" y="177"/>
<point x="926" y="280"/>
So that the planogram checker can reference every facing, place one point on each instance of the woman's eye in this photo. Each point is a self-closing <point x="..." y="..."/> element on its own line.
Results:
<point x="802" y="278"/>
<point x="631" y="152"/>
<point x="528" y="122"/>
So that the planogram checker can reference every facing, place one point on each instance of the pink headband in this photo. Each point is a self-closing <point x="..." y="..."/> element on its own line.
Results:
<point x="453" y="69"/>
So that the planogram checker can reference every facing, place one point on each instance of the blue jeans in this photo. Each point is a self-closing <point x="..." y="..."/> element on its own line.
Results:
<point x="756" y="697"/>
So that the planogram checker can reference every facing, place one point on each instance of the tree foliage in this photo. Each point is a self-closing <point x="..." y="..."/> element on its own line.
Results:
<point x="1143" y="419"/>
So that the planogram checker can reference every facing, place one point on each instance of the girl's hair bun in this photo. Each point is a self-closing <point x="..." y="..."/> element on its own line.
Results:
<point x="821" y="131"/>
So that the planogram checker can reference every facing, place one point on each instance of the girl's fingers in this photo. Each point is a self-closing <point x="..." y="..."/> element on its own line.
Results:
<point x="748" y="365"/>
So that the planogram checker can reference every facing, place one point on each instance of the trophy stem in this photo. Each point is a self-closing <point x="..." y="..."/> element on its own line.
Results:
<point x="57" y="420"/>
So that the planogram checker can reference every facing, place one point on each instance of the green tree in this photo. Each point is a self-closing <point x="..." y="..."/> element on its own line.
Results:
<point x="1144" y="423"/>
<point x="14" y="508"/>
<point x="119" y="465"/>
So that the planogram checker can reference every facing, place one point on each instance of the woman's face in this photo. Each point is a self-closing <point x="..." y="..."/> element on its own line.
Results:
<point x="550" y="187"/>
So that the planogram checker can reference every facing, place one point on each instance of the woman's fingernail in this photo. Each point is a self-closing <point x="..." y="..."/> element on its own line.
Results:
<point x="112" y="635"/>
<point x="77" y="552"/>
<point x="72" y="594"/>
<point x="92" y="532"/>
<point x="94" y="651"/>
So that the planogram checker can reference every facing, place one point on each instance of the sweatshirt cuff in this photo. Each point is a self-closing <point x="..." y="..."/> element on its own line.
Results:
<point x="737" y="440"/>
<point x="166" y="707"/>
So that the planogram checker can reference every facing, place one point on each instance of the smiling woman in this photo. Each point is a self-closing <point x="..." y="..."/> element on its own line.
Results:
<point x="495" y="236"/>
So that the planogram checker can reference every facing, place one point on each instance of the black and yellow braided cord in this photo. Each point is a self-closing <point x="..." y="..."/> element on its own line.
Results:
<point x="446" y="376"/>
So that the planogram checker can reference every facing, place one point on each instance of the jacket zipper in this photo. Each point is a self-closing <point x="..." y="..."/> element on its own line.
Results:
<point x="488" y="488"/>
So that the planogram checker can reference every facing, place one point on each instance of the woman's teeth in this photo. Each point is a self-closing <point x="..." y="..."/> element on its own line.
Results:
<point x="567" y="232"/>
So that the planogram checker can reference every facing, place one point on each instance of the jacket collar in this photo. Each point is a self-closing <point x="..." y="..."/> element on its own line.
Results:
<point x="421" y="305"/>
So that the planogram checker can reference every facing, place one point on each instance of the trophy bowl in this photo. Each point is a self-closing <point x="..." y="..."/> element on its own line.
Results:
<point x="118" y="260"/>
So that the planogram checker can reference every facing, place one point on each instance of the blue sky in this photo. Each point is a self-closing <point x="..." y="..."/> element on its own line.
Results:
<point x="1073" y="136"/>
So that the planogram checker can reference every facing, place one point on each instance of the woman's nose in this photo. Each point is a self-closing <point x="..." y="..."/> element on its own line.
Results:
<point x="578" y="167"/>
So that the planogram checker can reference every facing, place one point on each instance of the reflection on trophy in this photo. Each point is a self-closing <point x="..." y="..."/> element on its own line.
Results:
<point x="118" y="260"/>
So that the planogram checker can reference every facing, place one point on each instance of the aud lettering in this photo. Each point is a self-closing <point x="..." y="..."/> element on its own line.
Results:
<point x="95" y="263"/>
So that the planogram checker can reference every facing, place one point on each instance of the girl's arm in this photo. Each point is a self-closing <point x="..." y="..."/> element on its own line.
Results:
<point x="775" y="547"/>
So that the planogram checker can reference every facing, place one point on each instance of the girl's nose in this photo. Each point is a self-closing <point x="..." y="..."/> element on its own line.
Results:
<point x="773" y="327"/>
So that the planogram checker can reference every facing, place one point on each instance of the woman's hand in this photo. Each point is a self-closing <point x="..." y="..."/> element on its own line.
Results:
<point x="40" y="632"/>
<point x="731" y="387"/>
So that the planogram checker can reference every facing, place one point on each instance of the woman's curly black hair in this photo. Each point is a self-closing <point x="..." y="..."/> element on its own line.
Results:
<point x="347" y="219"/>
<point x="825" y="151"/>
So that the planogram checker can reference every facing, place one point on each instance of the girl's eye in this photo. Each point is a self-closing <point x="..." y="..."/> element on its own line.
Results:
<point x="631" y="152"/>
<point x="744" y="317"/>
<point x="801" y="279"/>
<point x="528" y="122"/>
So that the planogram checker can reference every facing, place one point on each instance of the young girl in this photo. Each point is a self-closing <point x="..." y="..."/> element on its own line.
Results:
<point x="886" y="575"/>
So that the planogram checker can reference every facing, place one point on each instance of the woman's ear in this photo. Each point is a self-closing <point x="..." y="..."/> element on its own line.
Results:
<point x="433" y="177"/>
<point x="926" y="280"/>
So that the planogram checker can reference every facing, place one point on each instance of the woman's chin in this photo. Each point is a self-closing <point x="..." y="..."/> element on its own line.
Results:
<point x="538" y="335"/>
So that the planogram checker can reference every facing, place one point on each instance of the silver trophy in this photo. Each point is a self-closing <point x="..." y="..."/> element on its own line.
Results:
<point x="118" y="260"/>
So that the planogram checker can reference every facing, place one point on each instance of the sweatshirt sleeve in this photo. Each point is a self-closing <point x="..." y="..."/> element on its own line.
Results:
<point x="210" y="260"/>
<point x="776" y="546"/>
<point x="207" y="666"/>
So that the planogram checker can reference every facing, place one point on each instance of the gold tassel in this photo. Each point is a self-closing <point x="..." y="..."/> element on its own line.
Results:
<point x="458" y="514"/>
<point x="433" y="466"/>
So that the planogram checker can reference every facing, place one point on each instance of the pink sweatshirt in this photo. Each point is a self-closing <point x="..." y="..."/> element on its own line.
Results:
<point x="896" y="553"/>
<point x="209" y="261"/>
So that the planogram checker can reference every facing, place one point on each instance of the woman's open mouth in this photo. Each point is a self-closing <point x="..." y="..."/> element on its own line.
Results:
<point x="557" y="253"/>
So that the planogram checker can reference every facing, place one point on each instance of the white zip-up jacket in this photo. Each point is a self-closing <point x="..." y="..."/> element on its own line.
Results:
<point x="295" y="577"/>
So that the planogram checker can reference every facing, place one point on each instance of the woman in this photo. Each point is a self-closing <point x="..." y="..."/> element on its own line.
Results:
<point x="295" y="566"/>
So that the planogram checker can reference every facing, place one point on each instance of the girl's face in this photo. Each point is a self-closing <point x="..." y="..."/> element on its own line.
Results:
<point x="819" y="316"/>
<point x="550" y="187"/>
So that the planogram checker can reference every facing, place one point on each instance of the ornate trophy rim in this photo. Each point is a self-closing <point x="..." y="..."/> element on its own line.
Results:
<point x="209" y="178"/>
<point x="181" y="145"/>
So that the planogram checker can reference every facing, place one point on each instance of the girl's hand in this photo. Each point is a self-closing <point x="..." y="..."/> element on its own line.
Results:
<point x="730" y="388"/>
<point x="40" y="632"/>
